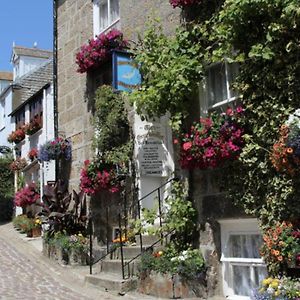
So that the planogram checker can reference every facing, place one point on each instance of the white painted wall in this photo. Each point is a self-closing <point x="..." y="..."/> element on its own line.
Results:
<point x="25" y="64"/>
<point x="6" y="125"/>
<point x="4" y="84"/>
<point x="36" y="140"/>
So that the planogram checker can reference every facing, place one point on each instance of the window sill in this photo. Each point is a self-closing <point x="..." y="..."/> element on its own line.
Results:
<point x="36" y="133"/>
<point x="219" y="104"/>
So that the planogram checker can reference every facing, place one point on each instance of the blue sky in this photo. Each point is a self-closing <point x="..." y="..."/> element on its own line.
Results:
<point x="24" y="22"/>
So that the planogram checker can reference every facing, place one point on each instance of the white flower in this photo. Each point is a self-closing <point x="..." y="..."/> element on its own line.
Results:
<point x="270" y="290"/>
<point x="173" y="258"/>
<point x="181" y="258"/>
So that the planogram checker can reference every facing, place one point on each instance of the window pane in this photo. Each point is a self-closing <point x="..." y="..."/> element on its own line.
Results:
<point x="259" y="274"/>
<point x="103" y="15"/>
<point x="233" y="71"/>
<point x="114" y="10"/>
<point x="241" y="280"/>
<point x="217" y="91"/>
<point x="244" y="246"/>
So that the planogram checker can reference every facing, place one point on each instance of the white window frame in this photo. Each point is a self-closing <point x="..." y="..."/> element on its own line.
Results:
<point x="204" y="91"/>
<point x="230" y="227"/>
<point x="96" y="18"/>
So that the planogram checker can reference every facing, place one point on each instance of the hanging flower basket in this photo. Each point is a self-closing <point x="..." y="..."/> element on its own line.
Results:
<point x="34" y="126"/>
<point x="285" y="155"/>
<point x="97" y="176"/>
<point x="18" y="164"/>
<point x="213" y="141"/>
<point x="55" y="149"/>
<point x="17" y="136"/>
<point x="98" y="50"/>
<point x="27" y="195"/>
<point x="184" y="3"/>
<point x="32" y="154"/>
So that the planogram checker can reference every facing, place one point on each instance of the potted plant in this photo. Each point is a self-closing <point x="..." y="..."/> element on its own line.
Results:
<point x="281" y="246"/>
<point x="98" y="50"/>
<point x="18" y="164"/>
<point x="27" y="195"/>
<point x="285" y="155"/>
<point x="78" y="249"/>
<point x="212" y="141"/>
<point x="55" y="149"/>
<point x="16" y="136"/>
<point x="37" y="227"/>
<point x="96" y="176"/>
<point x="33" y="126"/>
<point x="32" y="154"/>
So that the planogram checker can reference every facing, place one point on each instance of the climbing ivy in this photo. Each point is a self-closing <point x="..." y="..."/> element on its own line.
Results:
<point x="112" y="137"/>
<point x="269" y="84"/>
<point x="171" y="68"/>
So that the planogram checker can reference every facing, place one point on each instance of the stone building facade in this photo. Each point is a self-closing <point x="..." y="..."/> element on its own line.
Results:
<point x="221" y="225"/>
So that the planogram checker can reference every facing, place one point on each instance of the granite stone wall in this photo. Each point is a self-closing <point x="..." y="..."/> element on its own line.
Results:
<point x="75" y="20"/>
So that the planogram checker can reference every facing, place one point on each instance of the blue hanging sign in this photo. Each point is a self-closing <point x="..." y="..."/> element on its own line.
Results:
<point x="126" y="75"/>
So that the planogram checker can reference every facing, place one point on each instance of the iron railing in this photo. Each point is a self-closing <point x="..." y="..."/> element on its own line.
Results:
<point x="123" y="216"/>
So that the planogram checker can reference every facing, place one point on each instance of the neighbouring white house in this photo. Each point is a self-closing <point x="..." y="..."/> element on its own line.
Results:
<point x="6" y="79"/>
<point x="32" y="112"/>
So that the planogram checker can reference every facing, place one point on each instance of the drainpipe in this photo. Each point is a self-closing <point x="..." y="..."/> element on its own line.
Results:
<point x="55" y="78"/>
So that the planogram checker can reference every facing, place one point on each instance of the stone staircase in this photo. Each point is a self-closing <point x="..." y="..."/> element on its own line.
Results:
<point x="107" y="273"/>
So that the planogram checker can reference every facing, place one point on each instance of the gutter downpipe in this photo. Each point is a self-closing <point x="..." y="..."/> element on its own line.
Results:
<point x="55" y="78"/>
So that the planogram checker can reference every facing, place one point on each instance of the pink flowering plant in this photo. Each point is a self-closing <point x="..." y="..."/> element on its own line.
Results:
<point x="213" y="140"/>
<point x="96" y="176"/>
<point x="27" y="195"/>
<point x="184" y="3"/>
<point x="98" y="50"/>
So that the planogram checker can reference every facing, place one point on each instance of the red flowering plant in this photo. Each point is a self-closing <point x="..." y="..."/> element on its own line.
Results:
<point x="33" y="126"/>
<point x="213" y="141"/>
<point x="32" y="154"/>
<point x="16" y="136"/>
<point x="285" y="155"/>
<point x="27" y="195"/>
<point x="98" y="50"/>
<point x="98" y="175"/>
<point x="18" y="164"/>
<point x="281" y="247"/>
<point x="184" y="3"/>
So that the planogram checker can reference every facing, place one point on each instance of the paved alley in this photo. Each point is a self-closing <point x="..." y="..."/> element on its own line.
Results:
<point x="26" y="274"/>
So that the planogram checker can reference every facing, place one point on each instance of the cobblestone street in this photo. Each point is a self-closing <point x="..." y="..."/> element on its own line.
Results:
<point x="26" y="274"/>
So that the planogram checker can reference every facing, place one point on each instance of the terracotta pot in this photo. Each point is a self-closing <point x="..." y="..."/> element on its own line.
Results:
<point x="36" y="232"/>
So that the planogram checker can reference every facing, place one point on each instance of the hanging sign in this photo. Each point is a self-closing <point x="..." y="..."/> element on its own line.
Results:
<point x="126" y="75"/>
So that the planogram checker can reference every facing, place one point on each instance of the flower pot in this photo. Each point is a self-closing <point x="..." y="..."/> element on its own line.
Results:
<point x="77" y="258"/>
<point x="29" y="233"/>
<point x="36" y="232"/>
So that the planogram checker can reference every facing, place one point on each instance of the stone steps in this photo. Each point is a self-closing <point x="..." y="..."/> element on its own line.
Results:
<point x="112" y="282"/>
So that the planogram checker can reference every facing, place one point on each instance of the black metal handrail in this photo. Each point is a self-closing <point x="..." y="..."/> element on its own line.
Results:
<point x="125" y="219"/>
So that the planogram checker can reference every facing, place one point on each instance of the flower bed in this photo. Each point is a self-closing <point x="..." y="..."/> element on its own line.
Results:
<point x="96" y="176"/>
<point x="34" y="126"/>
<point x="184" y="3"/>
<point x="16" y="136"/>
<point x="173" y="275"/>
<point x="98" y="50"/>
<point x="66" y="249"/>
<point x="213" y="141"/>
<point x="283" y="288"/>
<point x="55" y="149"/>
<point x="18" y="164"/>
<point x="285" y="155"/>
<point x="27" y="196"/>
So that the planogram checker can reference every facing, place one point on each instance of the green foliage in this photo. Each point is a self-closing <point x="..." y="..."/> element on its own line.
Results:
<point x="6" y="188"/>
<point x="171" y="68"/>
<point x="269" y="87"/>
<point x="189" y="264"/>
<point x="112" y="139"/>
